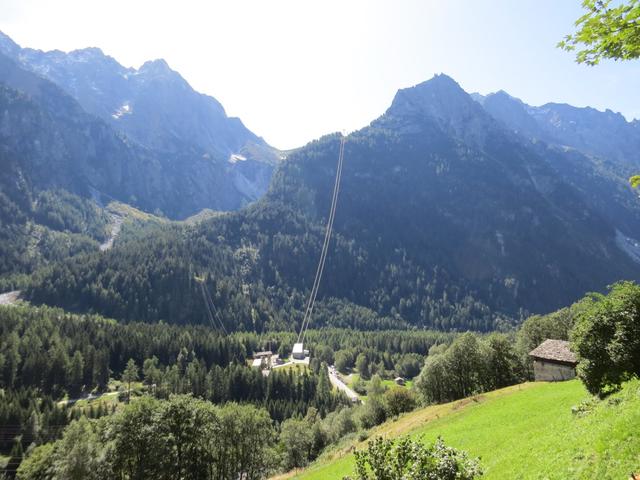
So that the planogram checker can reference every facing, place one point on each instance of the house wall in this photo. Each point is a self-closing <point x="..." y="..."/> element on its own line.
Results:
<point x="544" y="371"/>
<point x="298" y="351"/>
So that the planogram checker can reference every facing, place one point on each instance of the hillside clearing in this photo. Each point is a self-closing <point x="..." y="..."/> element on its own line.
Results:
<point x="10" y="298"/>
<point x="524" y="431"/>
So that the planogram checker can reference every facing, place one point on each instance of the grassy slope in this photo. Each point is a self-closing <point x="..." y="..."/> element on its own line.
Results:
<point x="351" y="379"/>
<point x="526" y="431"/>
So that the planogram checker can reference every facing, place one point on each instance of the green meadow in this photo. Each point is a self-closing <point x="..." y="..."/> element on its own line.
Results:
<point x="528" y="431"/>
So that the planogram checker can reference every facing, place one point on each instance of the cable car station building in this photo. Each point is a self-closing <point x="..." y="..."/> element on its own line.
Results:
<point x="299" y="353"/>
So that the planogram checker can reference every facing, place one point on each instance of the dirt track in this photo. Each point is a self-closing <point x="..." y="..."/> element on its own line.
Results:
<point x="115" y="230"/>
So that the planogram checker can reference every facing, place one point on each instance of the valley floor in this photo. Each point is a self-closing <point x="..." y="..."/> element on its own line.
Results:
<point x="337" y="382"/>
<point x="526" y="431"/>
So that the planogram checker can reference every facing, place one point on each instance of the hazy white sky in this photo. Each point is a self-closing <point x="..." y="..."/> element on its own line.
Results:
<point x="294" y="70"/>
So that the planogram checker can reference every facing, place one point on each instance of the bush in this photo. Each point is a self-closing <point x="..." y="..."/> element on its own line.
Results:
<point x="371" y="413"/>
<point x="344" y="361"/>
<point x="410" y="365"/>
<point x="296" y="443"/>
<point x="340" y="423"/>
<point x="37" y="464"/>
<point x="399" y="400"/>
<point x="407" y="459"/>
<point x="359" y="386"/>
<point x="585" y="407"/>
<point x="606" y="338"/>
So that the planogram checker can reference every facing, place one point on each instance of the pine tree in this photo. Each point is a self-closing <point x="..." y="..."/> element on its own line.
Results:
<point x="129" y="376"/>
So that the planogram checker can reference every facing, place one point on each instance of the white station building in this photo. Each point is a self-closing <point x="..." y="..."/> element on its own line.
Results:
<point x="299" y="353"/>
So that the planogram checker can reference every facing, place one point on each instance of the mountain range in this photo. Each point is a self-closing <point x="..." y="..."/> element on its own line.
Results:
<point x="456" y="211"/>
<point x="594" y="151"/>
<point x="141" y="136"/>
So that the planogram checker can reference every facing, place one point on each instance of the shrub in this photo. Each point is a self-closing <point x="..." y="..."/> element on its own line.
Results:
<point x="399" y="400"/>
<point x="359" y="386"/>
<point x="407" y="459"/>
<point x="372" y="413"/>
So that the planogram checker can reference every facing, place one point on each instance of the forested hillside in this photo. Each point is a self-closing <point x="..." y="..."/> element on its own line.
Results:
<point x="446" y="219"/>
<point x="40" y="225"/>
<point x="449" y="289"/>
<point x="56" y="367"/>
<point x="49" y="355"/>
<point x="61" y="164"/>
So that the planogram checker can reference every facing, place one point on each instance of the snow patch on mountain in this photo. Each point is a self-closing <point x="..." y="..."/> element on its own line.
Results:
<point x="125" y="109"/>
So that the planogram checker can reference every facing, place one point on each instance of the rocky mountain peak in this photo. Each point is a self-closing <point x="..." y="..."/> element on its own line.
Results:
<point x="513" y="113"/>
<point x="478" y="97"/>
<point x="437" y="97"/>
<point x="155" y="108"/>
<point x="89" y="54"/>
<point x="158" y="66"/>
<point x="159" y="72"/>
<point x="442" y="101"/>
<point x="8" y="46"/>
<point x="505" y="96"/>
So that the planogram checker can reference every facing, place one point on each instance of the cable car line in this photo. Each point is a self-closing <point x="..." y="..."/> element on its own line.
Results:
<point x="327" y="236"/>
<point x="216" y="311"/>
<point x="325" y="246"/>
<point x="207" y="308"/>
<point x="210" y="307"/>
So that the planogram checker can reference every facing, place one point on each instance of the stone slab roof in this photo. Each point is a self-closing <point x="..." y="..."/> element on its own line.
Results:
<point x="267" y="353"/>
<point x="554" y="350"/>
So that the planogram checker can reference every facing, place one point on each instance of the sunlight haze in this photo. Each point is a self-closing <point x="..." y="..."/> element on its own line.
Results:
<point x="294" y="71"/>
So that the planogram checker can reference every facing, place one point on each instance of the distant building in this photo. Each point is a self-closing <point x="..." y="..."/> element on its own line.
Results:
<point x="298" y="351"/>
<point x="256" y="363"/>
<point x="265" y="354"/>
<point x="553" y="361"/>
<point x="262" y="359"/>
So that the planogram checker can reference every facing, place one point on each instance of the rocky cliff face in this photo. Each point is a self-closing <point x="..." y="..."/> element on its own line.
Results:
<point x="595" y="152"/>
<point x="191" y="155"/>
<point x="607" y="134"/>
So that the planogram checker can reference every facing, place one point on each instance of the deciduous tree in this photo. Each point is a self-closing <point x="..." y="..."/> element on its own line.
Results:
<point x="606" y="338"/>
<point x="608" y="30"/>
<point x="130" y="375"/>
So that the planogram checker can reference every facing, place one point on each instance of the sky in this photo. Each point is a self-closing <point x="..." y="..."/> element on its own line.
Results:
<point x="294" y="70"/>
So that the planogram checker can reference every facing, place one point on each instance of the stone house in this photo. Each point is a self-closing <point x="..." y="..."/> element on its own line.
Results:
<point x="400" y="381"/>
<point x="553" y="361"/>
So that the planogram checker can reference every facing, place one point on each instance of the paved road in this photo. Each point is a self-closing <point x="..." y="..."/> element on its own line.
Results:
<point x="337" y="382"/>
